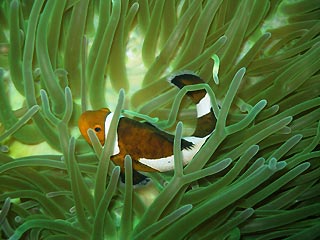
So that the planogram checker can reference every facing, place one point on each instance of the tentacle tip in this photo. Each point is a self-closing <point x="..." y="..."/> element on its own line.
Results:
<point x="72" y="139"/>
<point x="14" y="4"/>
<point x="242" y="70"/>
<point x="188" y="207"/>
<point x="281" y="165"/>
<point x="122" y="91"/>
<point x="255" y="147"/>
<point x="224" y="38"/>
<point x="35" y="107"/>
<point x="273" y="164"/>
<point x="4" y="148"/>
<point x="116" y="170"/>
<point x="67" y="89"/>
<point x="299" y="136"/>
<point x="136" y="5"/>
<point x="268" y="34"/>
<point x="250" y="210"/>
<point x="289" y="119"/>
<point x="306" y="165"/>
<point x="226" y="162"/>
<point x="180" y="124"/>
<point x="264" y="102"/>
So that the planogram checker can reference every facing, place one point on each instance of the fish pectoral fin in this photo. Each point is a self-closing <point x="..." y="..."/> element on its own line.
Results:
<point x="137" y="178"/>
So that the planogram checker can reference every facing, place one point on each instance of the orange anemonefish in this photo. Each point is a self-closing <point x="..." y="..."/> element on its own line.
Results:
<point x="150" y="148"/>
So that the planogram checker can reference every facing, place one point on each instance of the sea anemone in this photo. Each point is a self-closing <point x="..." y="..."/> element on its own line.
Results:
<point x="257" y="175"/>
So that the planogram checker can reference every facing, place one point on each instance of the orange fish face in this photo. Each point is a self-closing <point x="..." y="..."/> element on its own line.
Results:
<point x="94" y="120"/>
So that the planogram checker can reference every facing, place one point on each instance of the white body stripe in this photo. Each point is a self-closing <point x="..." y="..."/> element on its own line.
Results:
<point x="167" y="163"/>
<point x="204" y="106"/>
<point x="107" y="123"/>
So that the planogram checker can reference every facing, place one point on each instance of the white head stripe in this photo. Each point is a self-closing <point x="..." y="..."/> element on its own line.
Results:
<point x="107" y="123"/>
<point x="204" y="106"/>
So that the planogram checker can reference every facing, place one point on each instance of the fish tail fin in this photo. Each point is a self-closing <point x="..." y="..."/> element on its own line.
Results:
<point x="186" y="79"/>
<point x="206" y="120"/>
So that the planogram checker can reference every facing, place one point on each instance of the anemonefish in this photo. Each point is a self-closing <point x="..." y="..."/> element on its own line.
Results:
<point x="150" y="148"/>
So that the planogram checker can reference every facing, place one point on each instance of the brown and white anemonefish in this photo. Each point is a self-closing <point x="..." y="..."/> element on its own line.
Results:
<point x="150" y="148"/>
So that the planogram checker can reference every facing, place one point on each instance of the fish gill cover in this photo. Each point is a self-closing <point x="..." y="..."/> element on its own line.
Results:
<point x="257" y="176"/>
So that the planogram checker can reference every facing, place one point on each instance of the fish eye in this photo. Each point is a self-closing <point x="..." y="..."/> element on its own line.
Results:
<point x="97" y="129"/>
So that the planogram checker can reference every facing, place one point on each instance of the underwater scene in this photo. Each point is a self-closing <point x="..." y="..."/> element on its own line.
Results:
<point x="231" y="85"/>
